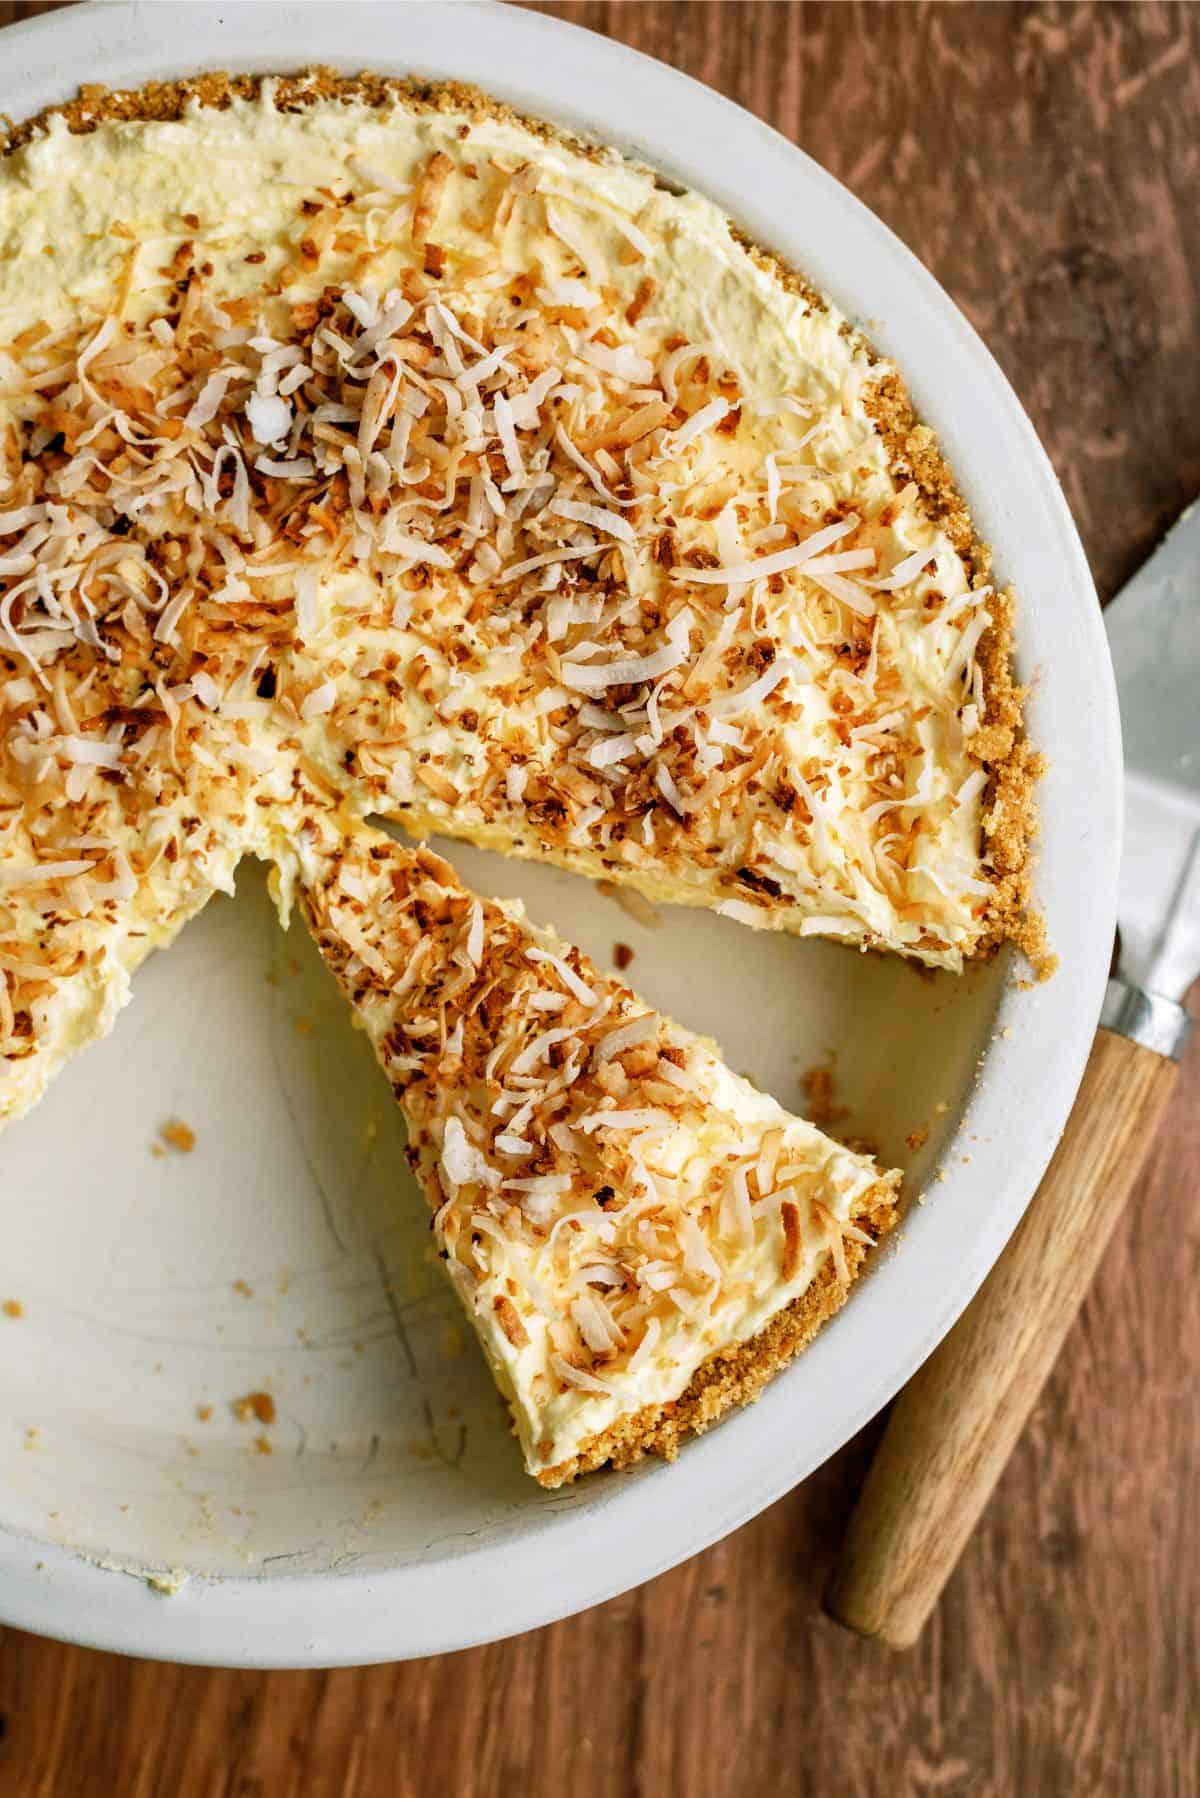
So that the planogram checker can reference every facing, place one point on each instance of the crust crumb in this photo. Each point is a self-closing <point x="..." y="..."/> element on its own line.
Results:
<point x="178" y="1136"/>
<point x="259" y="1406"/>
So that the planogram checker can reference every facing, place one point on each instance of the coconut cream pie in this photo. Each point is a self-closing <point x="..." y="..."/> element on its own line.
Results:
<point x="639" y="1236"/>
<point x="367" y="449"/>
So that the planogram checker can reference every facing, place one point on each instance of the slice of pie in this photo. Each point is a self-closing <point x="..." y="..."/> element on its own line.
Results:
<point x="640" y="1237"/>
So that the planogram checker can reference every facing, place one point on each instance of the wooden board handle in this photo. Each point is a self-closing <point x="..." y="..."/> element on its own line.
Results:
<point x="957" y="1421"/>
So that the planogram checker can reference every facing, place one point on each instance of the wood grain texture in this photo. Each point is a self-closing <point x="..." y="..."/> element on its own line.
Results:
<point x="1045" y="163"/>
<point x="954" y="1427"/>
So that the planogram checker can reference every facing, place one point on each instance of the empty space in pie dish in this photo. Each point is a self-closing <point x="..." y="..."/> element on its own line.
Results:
<point x="289" y="1251"/>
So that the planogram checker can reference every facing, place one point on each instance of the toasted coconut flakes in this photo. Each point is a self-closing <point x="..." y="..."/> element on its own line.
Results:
<point x="430" y="188"/>
<point x="830" y="924"/>
<point x="632" y="670"/>
<point x="461" y="1162"/>
<point x="586" y="468"/>
<point x="548" y="1001"/>
<point x="841" y="561"/>
<point x="299" y="468"/>
<point x="294" y="380"/>
<point x="646" y="1118"/>
<point x="904" y="571"/>
<point x="535" y="1051"/>
<point x="431" y="555"/>
<point x="308" y="614"/>
<point x="751" y="697"/>
<point x="575" y="1376"/>
<point x="623" y="362"/>
<point x="166" y="629"/>
<point x="438" y="783"/>
<point x="515" y="779"/>
<point x="646" y="1347"/>
<point x="208" y="401"/>
<point x="475" y="934"/>
<point x="540" y="1183"/>
<point x="793" y="1242"/>
<point x="575" y="554"/>
<point x="625" y="1036"/>
<point x="321" y="700"/>
<point x="960" y="660"/>
<point x="972" y="787"/>
<point x="566" y="973"/>
<point x="611" y="750"/>
<point x="570" y="293"/>
<point x="698" y="1258"/>
<point x="740" y="912"/>
<point x="768" y="1159"/>
<point x="370" y="171"/>
<point x="577" y="241"/>
<point x="781" y="563"/>
<point x="506" y="430"/>
<point x="42" y="874"/>
<point x="701" y="421"/>
<point x="833" y="1236"/>
<point x="611" y="214"/>
<point x="592" y="717"/>
<point x="508" y="1144"/>
<point x="737" y="1219"/>
<point x="670" y="792"/>
<point x="20" y="517"/>
<point x="681" y="1077"/>
<point x="849" y="592"/>
<point x="774" y="486"/>
<point x="596" y="516"/>
<point x="509" y="1320"/>
<point x="638" y="425"/>
<point x="596" y="1324"/>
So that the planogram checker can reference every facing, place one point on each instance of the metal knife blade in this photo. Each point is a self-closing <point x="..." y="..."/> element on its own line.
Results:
<point x="1154" y="636"/>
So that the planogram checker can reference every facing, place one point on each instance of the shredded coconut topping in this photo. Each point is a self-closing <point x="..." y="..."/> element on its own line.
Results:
<point x="603" y="1190"/>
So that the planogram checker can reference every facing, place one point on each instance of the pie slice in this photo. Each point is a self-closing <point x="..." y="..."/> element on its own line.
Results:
<point x="640" y="1237"/>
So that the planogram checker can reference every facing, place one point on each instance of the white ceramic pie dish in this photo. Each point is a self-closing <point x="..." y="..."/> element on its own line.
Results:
<point x="393" y="1518"/>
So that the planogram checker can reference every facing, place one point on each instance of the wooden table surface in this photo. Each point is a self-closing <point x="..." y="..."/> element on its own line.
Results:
<point x="1044" y="160"/>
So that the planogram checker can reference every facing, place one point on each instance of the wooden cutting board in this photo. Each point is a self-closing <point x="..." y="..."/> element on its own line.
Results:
<point x="1044" y="161"/>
